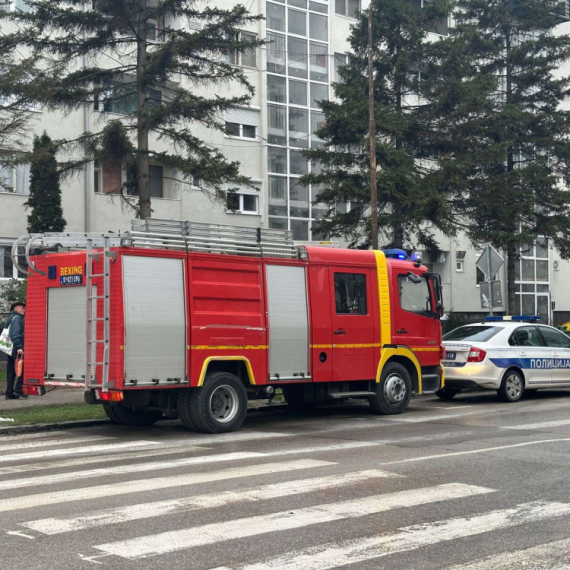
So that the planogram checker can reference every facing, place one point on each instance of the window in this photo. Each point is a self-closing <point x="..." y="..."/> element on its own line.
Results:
<point x="297" y="93"/>
<point x="554" y="338"/>
<point x="278" y="196"/>
<point x="275" y="53"/>
<point x="297" y="22"/>
<point x="298" y="163"/>
<point x="15" y="179"/>
<point x="97" y="177"/>
<point x="7" y="269"/>
<point x="122" y="99"/>
<point x="242" y="123"/>
<point x="319" y="92"/>
<point x="340" y="60"/>
<point x="298" y="127"/>
<point x="472" y="333"/>
<point x="275" y="17"/>
<point x="317" y="123"/>
<point x="276" y="89"/>
<point x="277" y="160"/>
<point x="155" y="182"/>
<point x="155" y="28"/>
<point x="317" y="7"/>
<point x="318" y="27"/>
<point x="247" y="57"/>
<point x="297" y="56"/>
<point x="299" y="199"/>
<point x="276" y="125"/>
<point x="414" y="297"/>
<point x="300" y="230"/>
<point x="319" y="62"/>
<point x="526" y="336"/>
<point x="350" y="294"/>
<point x="347" y="8"/>
<point x="242" y="201"/>
<point x="460" y="261"/>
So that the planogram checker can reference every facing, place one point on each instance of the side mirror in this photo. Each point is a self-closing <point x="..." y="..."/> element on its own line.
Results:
<point x="439" y="309"/>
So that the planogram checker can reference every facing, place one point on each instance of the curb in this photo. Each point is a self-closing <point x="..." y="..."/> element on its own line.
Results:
<point x="13" y="430"/>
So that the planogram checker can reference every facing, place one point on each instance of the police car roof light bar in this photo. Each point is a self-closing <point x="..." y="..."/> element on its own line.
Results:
<point x="516" y="318"/>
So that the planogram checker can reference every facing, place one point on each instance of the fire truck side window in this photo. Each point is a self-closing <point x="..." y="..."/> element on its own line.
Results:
<point x="350" y="294"/>
<point x="414" y="297"/>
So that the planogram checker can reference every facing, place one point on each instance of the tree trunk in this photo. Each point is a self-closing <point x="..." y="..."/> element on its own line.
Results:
<point x="511" y="268"/>
<point x="142" y="116"/>
<point x="398" y="235"/>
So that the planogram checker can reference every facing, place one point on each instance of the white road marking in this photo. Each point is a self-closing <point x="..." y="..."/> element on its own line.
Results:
<point x="333" y="555"/>
<point x="106" y="448"/>
<point x="19" y="533"/>
<point x="130" y="456"/>
<point x="128" y="469"/>
<point x="16" y="446"/>
<point x="164" y="508"/>
<point x="474" y="451"/>
<point x="172" y="541"/>
<point x="540" y="425"/>
<point x="19" y="437"/>
<point x="139" y="486"/>
<point x="550" y="556"/>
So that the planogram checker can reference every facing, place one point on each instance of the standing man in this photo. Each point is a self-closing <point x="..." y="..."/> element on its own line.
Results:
<point x="15" y="325"/>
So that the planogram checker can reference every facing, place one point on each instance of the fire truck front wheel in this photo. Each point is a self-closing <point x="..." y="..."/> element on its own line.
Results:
<point x="219" y="406"/>
<point x="394" y="390"/>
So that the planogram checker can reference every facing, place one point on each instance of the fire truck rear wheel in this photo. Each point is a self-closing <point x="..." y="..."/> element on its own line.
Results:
<point x="219" y="406"/>
<point x="112" y="414"/>
<point x="394" y="390"/>
<point x="136" y="417"/>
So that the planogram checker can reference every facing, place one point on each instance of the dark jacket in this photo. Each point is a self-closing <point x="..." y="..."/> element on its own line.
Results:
<point x="15" y="325"/>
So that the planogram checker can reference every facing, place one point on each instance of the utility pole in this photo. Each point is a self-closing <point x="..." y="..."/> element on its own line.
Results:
<point x="372" y="135"/>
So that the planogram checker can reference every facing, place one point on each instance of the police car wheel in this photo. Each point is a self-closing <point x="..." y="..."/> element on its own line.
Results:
<point x="446" y="394"/>
<point x="512" y="387"/>
<point x="393" y="392"/>
<point x="219" y="406"/>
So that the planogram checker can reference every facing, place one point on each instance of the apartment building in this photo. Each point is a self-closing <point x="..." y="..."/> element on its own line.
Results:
<point x="308" y="41"/>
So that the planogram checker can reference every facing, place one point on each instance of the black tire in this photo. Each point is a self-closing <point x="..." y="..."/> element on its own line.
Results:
<point x="183" y="408"/>
<point x="446" y="394"/>
<point x="295" y="396"/>
<point x="220" y="406"/>
<point x="135" y="417"/>
<point x="393" y="392"/>
<point x="512" y="387"/>
<point x="111" y="414"/>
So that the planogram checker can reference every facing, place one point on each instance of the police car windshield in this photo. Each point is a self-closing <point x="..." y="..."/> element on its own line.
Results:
<point x="475" y="333"/>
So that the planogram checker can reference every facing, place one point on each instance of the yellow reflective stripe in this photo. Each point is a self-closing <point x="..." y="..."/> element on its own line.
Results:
<point x="425" y="349"/>
<point x="383" y="297"/>
<point x="387" y="353"/>
<point x="321" y="345"/>
<point x="238" y="347"/>
<point x="210" y="358"/>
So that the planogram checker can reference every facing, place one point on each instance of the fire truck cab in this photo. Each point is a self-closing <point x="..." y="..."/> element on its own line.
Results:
<point x="190" y="320"/>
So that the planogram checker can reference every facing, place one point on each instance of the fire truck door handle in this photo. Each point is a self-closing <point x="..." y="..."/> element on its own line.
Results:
<point x="340" y="331"/>
<point x="401" y="331"/>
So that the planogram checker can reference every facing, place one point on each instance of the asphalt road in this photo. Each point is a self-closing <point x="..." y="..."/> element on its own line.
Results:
<point x="472" y="483"/>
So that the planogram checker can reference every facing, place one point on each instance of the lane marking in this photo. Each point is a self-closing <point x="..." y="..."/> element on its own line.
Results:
<point x="19" y="437"/>
<point x="107" y="448"/>
<point x="144" y="485"/>
<point x="172" y="541"/>
<point x="474" y="451"/>
<point x="129" y="455"/>
<point x="163" y="508"/>
<point x="42" y="444"/>
<point x="333" y="555"/>
<point x="540" y="425"/>
<point x="552" y="555"/>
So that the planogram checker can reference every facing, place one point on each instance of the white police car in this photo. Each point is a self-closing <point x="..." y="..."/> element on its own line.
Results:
<point x="506" y="354"/>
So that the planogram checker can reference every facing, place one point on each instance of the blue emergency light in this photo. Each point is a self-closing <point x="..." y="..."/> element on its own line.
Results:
<point x="519" y="318"/>
<point x="395" y="254"/>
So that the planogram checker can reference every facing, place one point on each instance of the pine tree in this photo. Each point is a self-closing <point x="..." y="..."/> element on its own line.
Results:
<point x="45" y="193"/>
<point x="405" y="151"/>
<point x="506" y="157"/>
<point x="131" y="57"/>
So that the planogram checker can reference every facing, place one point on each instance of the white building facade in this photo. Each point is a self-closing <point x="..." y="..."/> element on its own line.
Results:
<point x="308" y="40"/>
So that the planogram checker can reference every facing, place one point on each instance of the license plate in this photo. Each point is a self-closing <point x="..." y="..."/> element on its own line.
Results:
<point x="450" y="355"/>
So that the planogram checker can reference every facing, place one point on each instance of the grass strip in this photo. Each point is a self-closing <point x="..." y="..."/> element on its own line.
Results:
<point x="51" y="414"/>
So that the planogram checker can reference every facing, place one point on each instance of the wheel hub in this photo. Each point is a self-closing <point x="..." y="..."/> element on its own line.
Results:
<point x="514" y="386"/>
<point x="224" y="404"/>
<point x="395" y="389"/>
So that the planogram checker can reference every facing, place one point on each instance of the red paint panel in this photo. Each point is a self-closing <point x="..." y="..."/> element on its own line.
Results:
<point x="321" y="323"/>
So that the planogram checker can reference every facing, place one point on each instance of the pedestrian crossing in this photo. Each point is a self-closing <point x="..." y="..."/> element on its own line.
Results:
<point x="108" y="500"/>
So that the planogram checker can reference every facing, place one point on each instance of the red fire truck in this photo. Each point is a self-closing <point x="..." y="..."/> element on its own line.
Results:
<point x="190" y="320"/>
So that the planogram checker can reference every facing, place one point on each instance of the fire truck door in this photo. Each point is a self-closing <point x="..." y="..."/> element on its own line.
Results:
<point x="415" y="323"/>
<point x="353" y="324"/>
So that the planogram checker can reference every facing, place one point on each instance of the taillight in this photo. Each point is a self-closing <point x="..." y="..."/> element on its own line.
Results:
<point x="33" y="390"/>
<point x="476" y="355"/>
<point x="112" y="396"/>
<point x="441" y="352"/>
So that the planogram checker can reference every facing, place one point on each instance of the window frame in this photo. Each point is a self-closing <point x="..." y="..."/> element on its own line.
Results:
<point x="236" y="56"/>
<point x="241" y="136"/>
<point x="541" y="330"/>
<point x="6" y="247"/>
<point x="424" y="312"/>
<point x="240" y="193"/>
<point x="345" y="14"/>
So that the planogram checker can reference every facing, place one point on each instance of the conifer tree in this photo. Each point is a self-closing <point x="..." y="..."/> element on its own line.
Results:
<point x="506" y="159"/>
<point x="164" y="65"/>
<point x="408" y="207"/>
<point x="45" y="193"/>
